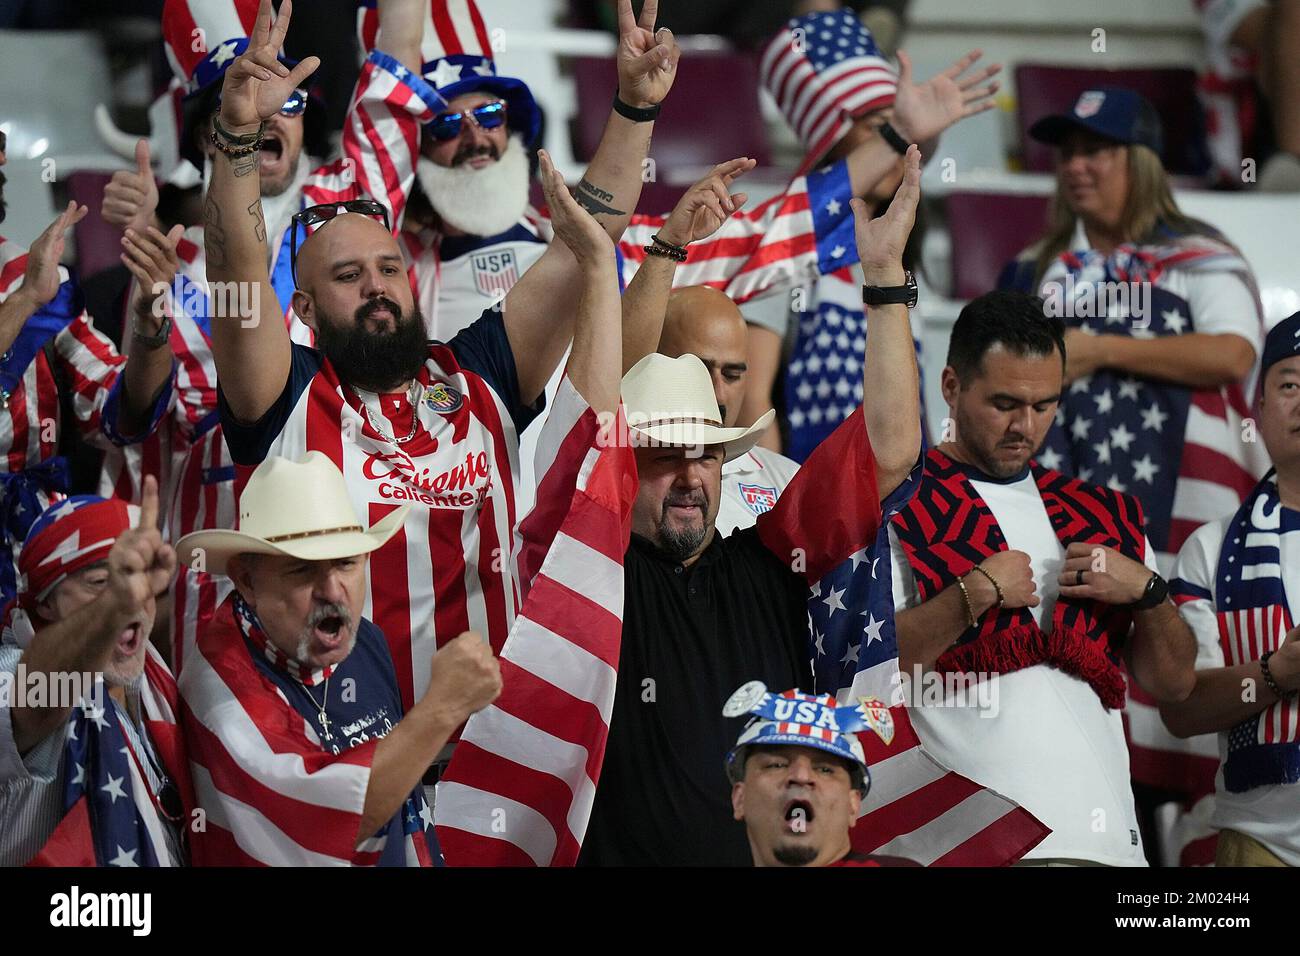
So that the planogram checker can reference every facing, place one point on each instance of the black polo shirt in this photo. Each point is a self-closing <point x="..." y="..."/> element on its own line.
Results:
<point x="691" y="636"/>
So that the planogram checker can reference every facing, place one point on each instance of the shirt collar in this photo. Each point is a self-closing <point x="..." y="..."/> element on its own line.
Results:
<point x="741" y="465"/>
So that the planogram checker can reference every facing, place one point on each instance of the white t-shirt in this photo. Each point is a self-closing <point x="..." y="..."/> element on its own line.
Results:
<point x="1049" y="744"/>
<point x="750" y="485"/>
<point x="1268" y="813"/>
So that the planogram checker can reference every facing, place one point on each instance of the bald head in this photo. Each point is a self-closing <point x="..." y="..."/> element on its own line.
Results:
<point x="704" y="322"/>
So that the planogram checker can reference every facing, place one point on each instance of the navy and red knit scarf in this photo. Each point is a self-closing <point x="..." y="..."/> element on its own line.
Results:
<point x="947" y="529"/>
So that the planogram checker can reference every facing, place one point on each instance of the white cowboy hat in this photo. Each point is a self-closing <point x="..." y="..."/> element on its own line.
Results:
<point x="670" y="402"/>
<point x="299" y="509"/>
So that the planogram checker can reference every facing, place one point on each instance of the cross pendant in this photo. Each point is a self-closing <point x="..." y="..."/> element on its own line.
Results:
<point x="325" y="724"/>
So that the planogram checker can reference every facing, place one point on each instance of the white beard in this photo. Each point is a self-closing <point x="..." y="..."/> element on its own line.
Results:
<point x="480" y="202"/>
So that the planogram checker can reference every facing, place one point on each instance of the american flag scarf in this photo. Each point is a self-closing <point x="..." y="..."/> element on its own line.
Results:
<point x="947" y="529"/>
<point x="519" y="789"/>
<point x="916" y="808"/>
<point x="111" y="817"/>
<point x="1254" y="618"/>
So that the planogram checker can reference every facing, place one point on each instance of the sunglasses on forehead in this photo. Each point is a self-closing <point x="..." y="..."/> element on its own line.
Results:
<point x="324" y="212"/>
<point x="447" y="126"/>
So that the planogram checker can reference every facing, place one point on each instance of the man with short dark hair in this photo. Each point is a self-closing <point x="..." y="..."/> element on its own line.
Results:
<point x="1009" y="572"/>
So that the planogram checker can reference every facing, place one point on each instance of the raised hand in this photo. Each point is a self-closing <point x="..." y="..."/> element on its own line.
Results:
<point x="707" y="204"/>
<point x="647" y="58"/>
<point x="41" y="279"/>
<point x="573" y="225"/>
<point x="881" y="241"/>
<point x="141" y="564"/>
<point x="151" y="258"/>
<point x="131" y="196"/>
<point x="257" y="84"/>
<point x="922" y="112"/>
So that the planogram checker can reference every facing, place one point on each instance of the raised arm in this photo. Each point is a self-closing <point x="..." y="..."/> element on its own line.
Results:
<point x="252" y="353"/>
<point x="140" y="565"/>
<point x="401" y="27"/>
<point x="151" y="259"/>
<point x="889" y="379"/>
<point x="41" y="279"/>
<point x="705" y="207"/>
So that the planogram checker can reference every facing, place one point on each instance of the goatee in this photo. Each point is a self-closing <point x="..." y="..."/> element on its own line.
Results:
<point x="375" y="361"/>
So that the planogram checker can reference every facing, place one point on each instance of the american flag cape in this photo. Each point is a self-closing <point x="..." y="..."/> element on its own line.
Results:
<point x="520" y="785"/>
<point x="109" y="816"/>
<point x="916" y="808"/>
<point x="271" y="794"/>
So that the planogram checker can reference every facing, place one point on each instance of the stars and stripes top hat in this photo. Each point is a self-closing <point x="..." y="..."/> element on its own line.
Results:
<point x="68" y="536"/>
<point x="796" y="719"/>
<point x="456" y="55"/>
<point x="825" y="70"/>
<point x="201" y="39"/>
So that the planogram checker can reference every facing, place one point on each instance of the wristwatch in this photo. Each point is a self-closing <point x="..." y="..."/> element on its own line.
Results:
<point x="156" y="341"/>
<point x="904" y="294"/>
<point x="1157" y="590"/>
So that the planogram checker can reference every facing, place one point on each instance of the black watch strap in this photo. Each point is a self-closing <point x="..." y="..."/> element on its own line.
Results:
<point x="1157" y="590"/>
<point x="891" y="137"/>
<point x="636" y="114"/>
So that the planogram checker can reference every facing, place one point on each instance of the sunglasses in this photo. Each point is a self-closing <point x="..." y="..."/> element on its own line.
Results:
<point x="295" y="105"/>
<point x="315" y="215"/>
<point x="447" y="126"/>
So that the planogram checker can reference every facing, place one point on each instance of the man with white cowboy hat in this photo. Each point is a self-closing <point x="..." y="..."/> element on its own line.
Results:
<point x="799" y="775"/>
<point x="301" y="752"/>
<point x="703" y="613"/>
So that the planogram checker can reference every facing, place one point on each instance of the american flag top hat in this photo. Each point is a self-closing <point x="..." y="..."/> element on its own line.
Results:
<point x="202" y="38"/>
<point x="69" y="535"/>
<point x="456" y="55"/>
<point x="792" y="718"/>
<point x="825" y="71"/>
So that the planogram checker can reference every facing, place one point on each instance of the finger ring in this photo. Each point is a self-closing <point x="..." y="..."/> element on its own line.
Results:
<point x="1078" y="577"/>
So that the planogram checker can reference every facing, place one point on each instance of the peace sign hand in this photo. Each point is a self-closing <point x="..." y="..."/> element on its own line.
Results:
<point x="647" y="58"/>
<point x="257" y="84"/>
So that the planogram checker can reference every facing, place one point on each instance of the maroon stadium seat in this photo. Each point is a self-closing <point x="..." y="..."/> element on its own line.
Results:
<point x="988" y="230"/>
<point x="1042" y="90"/>
<point x="712" y="115"/>
<point x="98" y="243"/>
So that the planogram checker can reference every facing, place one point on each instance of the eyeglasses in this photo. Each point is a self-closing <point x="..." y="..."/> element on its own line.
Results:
<point x="447" y="126"/>
<point x="324" y="212"/>
<point x="295" y="105"/>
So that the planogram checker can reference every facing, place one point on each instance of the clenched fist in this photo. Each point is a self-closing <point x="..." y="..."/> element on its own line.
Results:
<point x="1014" y="574"/>
<point x="464" y="677"/>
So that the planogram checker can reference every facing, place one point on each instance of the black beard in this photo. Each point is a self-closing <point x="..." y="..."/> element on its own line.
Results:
<point x="683" y="544"/>
<point x="375" y="361"/>
<point x="799" y="854"/>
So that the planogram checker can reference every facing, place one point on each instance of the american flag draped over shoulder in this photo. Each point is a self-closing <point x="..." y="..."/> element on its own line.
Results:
<point x="110" y="817"/>
<point x="520" y="787"/>
<point x="916" y="808"/>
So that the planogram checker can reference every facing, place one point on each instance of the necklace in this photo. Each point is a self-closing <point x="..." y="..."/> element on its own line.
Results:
<point x="324" y="718"/>
<point x="415" y="418"/>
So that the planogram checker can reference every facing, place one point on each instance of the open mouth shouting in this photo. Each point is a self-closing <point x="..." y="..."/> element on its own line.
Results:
<point x="798" y="814"/>
<point x="271" y="159"/>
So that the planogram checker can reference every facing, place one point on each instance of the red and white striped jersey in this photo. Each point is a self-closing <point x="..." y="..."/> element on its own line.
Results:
<point x="448" y="446"/>
<point x="84" y="361"/>
<point x="189" y="454"/>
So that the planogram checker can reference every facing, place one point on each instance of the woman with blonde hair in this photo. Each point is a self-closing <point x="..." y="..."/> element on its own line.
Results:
<point x="1163" y="324"/>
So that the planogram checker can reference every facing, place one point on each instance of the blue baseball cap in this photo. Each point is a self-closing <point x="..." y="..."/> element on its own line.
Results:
<point x="796" y="719"/>
<point x="1117" y="114"/>
<point x="1282" y="342"/>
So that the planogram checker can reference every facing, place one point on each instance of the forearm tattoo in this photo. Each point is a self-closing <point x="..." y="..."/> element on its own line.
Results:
<point x="259" y="222"/>
<point x="214" y="236"/>
<point x="243" y="165"/>
<point x="596" y="200"/>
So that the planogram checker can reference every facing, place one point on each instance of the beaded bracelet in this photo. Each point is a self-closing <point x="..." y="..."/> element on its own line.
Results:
<point x="661" y="247"/>
<point x="965" y="596"/>
<point x="996" y="586"/>
<point x="1270" y="681"/>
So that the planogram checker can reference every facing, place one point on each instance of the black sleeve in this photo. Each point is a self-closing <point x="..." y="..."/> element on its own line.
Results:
<point x="484" y="349"/>
<point x="249" y="442"/>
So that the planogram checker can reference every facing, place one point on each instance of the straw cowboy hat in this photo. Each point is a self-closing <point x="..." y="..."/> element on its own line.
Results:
<point x="670" y="401"/>
<point x="299" y="509"/>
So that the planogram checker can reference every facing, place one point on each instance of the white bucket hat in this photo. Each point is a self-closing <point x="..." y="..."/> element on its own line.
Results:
<point x="299" y="509"/>
<point x="670" y="402"/>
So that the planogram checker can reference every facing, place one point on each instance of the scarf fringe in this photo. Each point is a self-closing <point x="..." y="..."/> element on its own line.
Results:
<point x="1015" y="648"/>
